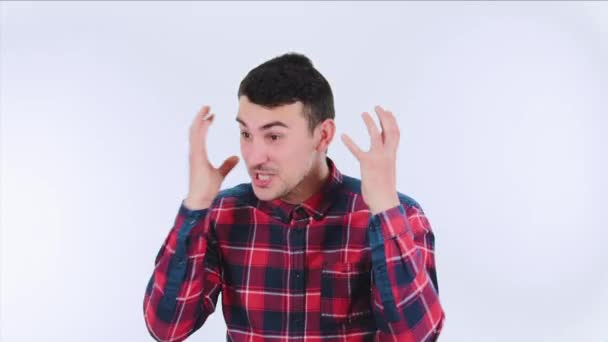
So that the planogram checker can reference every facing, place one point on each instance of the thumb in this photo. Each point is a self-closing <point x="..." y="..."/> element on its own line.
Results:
<point x="228" y="165"/>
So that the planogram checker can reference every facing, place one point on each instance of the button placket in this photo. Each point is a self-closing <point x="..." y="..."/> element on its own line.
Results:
<point x="297" y="234"/>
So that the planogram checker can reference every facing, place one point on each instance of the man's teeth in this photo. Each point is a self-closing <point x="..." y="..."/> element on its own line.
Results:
<point x="263" y="177"/>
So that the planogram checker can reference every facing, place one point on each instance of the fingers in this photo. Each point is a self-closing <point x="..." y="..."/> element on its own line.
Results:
<point x="203" y="112"/>
<point x="372" y="129"/>
<point x="352" y="147"/>
<point x="205" y="118"/>
<point x="228" y="165"/>
<point x="199" y="128"/>
<point x="387" y="138"/>
<point x="202" y="118"/>
<point x="390" y="127"/>
<point x="206" y="123"/>
<point x="381" y="118"/>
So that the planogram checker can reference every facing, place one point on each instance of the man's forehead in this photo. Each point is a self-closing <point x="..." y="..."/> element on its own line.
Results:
<point x="246" y="106"/>
<point x="286" y="115"/>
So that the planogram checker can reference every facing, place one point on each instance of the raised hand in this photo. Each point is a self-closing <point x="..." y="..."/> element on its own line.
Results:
<point x="205" y="179"/>
<point x="378" y="165"/>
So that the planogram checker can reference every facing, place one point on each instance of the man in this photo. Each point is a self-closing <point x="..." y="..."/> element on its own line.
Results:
<point x="302" y="252"/>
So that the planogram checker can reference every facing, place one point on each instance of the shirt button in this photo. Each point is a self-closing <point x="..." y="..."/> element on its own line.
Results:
<point x="298" y="274"/>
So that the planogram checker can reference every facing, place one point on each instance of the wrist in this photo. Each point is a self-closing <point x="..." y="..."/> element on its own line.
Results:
<point x="383" y="205"/>
<point x="197" y="203"/>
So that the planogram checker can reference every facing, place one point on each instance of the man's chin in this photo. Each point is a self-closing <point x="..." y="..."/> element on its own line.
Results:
<point x="264" y="194"/>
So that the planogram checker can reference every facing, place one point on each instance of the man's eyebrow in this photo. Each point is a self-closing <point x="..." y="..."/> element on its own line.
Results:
<point x="266" y="126"/>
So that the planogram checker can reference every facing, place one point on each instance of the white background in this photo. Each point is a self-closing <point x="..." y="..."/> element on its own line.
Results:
<point x="503" y="111"/>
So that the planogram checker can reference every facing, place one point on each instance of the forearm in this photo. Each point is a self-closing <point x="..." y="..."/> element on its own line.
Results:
<point x="405" y="292"/>
<point x="185" y="271"/>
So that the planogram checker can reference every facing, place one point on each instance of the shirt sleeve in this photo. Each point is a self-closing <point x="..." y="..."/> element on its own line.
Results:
<point x="186" y="281"/>
<point x="405" y="293"/>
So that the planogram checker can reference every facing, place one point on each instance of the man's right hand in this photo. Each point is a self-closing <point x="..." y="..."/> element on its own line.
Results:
<point x="205" y="180"/>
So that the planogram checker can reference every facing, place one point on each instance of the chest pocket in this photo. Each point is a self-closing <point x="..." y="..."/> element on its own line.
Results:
<point x="345" y="293"/>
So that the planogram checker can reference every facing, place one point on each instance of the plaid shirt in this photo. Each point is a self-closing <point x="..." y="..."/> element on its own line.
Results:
<point x="325" y="269"/>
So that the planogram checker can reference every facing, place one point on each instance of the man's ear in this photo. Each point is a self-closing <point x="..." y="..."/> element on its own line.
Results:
<point x="326" y="131"/>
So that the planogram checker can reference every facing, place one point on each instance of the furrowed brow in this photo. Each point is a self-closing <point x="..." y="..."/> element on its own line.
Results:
<point x="266" y="126"/>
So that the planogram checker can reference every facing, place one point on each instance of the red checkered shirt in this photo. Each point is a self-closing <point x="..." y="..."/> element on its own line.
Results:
<point x="322" y="270"/>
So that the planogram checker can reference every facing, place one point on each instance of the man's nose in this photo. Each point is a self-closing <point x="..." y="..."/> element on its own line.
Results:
<point x="257" y="155"/>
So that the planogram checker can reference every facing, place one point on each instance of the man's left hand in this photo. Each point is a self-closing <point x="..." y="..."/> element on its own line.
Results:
<point x="378" y="165"/>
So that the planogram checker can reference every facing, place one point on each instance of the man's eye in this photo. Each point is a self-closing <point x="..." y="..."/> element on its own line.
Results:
<point x="245" y="135"/>
<point x="274" y="137"/>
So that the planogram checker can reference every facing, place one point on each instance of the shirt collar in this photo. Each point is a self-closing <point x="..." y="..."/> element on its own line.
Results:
<point x="315" y="206"/>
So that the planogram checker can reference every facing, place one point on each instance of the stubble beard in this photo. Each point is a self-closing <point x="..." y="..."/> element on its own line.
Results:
<point x="294" y="191"/>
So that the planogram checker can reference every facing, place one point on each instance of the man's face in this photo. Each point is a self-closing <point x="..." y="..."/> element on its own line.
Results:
<point x="277" y="147"/>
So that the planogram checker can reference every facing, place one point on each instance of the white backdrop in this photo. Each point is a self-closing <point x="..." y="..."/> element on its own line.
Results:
<point x="503" y="110"/>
